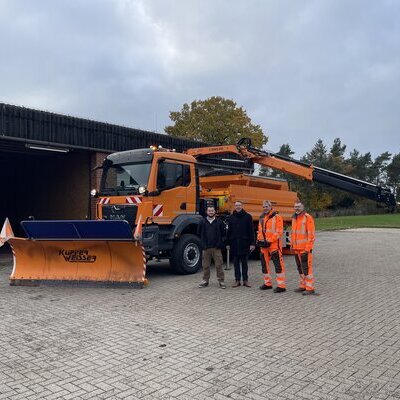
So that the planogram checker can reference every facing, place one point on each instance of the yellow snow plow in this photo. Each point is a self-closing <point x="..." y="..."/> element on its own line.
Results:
<point x="78" y="252"/>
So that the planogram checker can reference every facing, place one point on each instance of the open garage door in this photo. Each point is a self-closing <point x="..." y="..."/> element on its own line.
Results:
<point x="43" y="184"/>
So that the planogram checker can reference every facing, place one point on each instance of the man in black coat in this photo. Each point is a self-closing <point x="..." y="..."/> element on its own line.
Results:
<point x="241" y="240"/>
<point x="212" y="231"/>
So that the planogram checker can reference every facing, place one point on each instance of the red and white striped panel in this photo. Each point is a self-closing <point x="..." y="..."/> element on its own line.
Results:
<point x="133" y="200"/>
<point x="158" y="210"/>
<point x="144" y="263"/>
<point x="105" y="200"/>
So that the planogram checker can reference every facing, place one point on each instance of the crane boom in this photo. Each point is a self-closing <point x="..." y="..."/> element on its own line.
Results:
<point x="301" y="169"/>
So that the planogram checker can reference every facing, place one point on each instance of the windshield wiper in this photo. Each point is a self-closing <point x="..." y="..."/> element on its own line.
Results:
<point x="107" y="191"/>
<point x="119" y="191"/>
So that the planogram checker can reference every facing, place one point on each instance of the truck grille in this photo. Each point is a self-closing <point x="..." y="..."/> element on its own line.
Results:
<point x="121" y="212"/>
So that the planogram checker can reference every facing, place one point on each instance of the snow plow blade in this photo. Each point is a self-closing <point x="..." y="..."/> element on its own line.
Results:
<point x="78" y="252"/>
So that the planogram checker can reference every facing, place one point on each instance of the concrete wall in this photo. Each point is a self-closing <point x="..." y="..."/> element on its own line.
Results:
<point x="45" y="185"/>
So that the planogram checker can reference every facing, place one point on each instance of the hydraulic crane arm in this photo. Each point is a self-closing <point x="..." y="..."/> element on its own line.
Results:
<point x="362" y="188"/>
<point x="244" y="149"/>
<point x="301" y="169"/>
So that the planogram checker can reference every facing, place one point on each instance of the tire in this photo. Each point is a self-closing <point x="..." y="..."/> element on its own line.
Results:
<point x="186" y="255"/>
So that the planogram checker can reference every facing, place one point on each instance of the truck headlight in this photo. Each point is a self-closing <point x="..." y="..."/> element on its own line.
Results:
<point x="93" y="193"/>
<point x="142" y="189"/>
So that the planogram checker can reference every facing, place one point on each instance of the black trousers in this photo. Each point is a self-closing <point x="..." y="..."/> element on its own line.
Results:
<point x="241" y="273"/>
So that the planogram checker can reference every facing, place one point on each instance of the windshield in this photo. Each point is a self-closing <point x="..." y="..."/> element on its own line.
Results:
<point x="126" y="177"/>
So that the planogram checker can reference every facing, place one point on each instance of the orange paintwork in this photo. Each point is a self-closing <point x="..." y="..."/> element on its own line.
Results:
<point x="267" y="161"/>
<point x="172" y="200"/>
<point x="277" y="193"/>
<point x="251" y="190"/>
<point x="106" y="261"/>
<point x="205" y="151"/>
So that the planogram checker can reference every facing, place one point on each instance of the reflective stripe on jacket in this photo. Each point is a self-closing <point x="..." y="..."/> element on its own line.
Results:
<point x="273" y="228"/>
<point x="303" y="232"/>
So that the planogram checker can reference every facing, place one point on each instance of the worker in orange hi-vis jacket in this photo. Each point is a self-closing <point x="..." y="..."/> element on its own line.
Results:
<point x="269" y="237"/>
<point x="302" y="242"/>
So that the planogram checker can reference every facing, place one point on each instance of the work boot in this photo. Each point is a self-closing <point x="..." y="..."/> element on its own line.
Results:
<point x="265" y="287"/>
<point x="279" y="290"/>
<point x="203" y="284"/>
<point x="299" y="290"/>
<point x="308" y="292"/>
<point x="236" y="284"/>
<point x="222" y="285"/>
<point x="246" y="283"/>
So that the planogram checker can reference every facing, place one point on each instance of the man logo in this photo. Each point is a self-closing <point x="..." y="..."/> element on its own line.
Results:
<point x="77" y="256"/>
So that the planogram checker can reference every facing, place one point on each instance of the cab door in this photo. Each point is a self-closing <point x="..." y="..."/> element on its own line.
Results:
<point x="173" y="179"/>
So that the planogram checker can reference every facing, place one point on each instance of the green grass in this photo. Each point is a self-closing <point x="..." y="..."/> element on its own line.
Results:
<point x="359" y="221"/>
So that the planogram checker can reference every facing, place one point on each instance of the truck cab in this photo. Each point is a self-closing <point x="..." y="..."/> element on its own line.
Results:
<point x="161" y="188"/>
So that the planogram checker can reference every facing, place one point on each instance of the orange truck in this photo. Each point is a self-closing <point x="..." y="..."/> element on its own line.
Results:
<point x="169" y="191"/>
<point x="149" y="205"/>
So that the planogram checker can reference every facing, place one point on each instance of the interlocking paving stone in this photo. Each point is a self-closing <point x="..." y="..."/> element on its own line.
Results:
<point x="173" y="340"/>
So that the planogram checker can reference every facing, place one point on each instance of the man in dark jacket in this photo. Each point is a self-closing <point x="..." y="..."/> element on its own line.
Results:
<point x="211" y="231"/>
<point x="241" y="240"/>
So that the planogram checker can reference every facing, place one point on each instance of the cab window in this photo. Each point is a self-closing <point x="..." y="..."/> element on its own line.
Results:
<point x="172" y="175"/>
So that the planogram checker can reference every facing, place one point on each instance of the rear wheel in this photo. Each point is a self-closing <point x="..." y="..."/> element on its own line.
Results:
<point x="186" y="255"/>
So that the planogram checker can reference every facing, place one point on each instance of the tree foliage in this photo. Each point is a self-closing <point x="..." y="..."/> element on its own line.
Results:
<point x="393" y="174"/>
<point x="318" y="155"/>
<point x="215" y="120"/>
<point x="379" y="168"/>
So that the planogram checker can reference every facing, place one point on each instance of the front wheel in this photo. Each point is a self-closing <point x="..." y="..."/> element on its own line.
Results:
<point x="186" y="255"/>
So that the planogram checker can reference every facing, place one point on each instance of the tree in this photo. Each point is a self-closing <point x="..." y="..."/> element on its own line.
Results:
<point x="318" y="197"/>
<point x="360" y="164"/>
<point x="215" y="121"/>
<point x="393" y="171"/>
<point x="378" y="172"/>
<point x="337" y="149"/>
<point x="335" y="160"/>
<point x="318" y="155"/>
<point x="286" y="150"/>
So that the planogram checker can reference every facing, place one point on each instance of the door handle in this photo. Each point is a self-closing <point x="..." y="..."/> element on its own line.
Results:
<point x="183" y="206"/>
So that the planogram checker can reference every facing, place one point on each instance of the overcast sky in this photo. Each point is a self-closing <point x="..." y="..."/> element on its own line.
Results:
<point x="303" y="70"/>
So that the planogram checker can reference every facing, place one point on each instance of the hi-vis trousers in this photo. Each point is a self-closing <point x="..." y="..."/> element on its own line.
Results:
<point x="276" y="257"/>
<point x="305" y="269"/>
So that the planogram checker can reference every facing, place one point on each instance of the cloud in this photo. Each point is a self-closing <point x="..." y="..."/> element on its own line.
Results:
<point x="303" y="70"/>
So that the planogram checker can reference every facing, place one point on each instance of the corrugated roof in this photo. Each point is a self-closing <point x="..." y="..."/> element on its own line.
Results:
<point x="26" y="124"/>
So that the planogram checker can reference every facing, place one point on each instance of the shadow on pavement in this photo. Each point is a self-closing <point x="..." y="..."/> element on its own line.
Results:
<point x="6" y="256"/>
<point x="154" y="268"/>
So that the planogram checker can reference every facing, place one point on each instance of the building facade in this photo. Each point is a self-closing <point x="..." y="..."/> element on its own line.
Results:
<point x="47" y="161"/>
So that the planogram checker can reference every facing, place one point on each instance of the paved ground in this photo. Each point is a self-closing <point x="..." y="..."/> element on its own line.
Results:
<point x="175" y="341"/>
